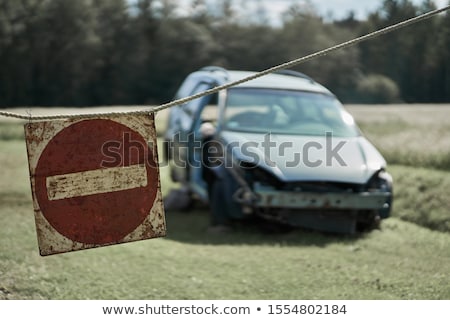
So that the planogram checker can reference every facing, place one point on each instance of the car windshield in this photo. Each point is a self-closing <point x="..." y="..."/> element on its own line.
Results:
<point x="286" y="112"/>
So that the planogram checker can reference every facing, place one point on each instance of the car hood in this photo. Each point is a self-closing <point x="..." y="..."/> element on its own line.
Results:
<point x="306" y="158"/>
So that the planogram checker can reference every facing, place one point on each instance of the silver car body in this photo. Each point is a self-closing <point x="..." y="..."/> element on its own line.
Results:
<point x="335" y="195"/>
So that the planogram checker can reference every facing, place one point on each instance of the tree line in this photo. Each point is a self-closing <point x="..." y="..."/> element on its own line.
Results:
<point x="116" y="52"/>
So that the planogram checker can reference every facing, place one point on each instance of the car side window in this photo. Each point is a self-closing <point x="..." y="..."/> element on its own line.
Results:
<point x="192" y="107"/>
<point x="189" y="109"/>
<point x="210" y="111"/>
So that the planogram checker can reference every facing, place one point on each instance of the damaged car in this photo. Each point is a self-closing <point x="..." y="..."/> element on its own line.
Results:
<point x="280" y="147"/>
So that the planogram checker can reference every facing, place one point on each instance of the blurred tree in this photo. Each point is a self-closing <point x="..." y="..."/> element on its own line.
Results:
<point x="102" y="52"/>
<point x="183" y="46"/>
<point x="144" y="25"/>
<point x="114" y="53"/>
<point x="13" y="18"/>
<point x="199" y="12"/>
<point x="445" y="57"/>
<point x="408" y="56"/>
<point x="440" y="88"/>
<point x="304" y="32"/>
<point x="227" y="14"/>
<point x="51" y="57"/>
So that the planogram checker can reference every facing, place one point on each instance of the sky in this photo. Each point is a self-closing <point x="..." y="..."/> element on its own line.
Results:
<point x="338" y="8"/>
<point x="331" y="9"/>
<point x="335" y="9"/>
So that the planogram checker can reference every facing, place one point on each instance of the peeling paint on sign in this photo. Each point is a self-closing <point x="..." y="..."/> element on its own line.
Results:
<point x="95" y="182"/>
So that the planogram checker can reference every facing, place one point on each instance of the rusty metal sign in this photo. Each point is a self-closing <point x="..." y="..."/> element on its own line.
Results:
<point x="95" y="182"/>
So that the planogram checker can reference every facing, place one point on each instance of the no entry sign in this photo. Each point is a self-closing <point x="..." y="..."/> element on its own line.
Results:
<point x="95" y="182"/>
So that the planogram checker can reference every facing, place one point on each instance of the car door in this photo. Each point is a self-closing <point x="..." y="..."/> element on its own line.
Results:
<point x="187" y="140"/>
<point x="206" y="113"/>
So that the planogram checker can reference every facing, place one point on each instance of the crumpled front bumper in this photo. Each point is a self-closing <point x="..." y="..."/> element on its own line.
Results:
<point x="337" y="212"/>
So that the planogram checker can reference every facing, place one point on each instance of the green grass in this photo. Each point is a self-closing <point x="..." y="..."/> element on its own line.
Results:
<point x="413" y="135"/>
<point x="407" y="259"/>
<point x="421" y="196"/>
<point x="11" y="130"/>
<point x="401" y="261"/>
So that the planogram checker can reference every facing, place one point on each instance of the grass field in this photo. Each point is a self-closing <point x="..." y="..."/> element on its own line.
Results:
<point x="413" y="135"/>
<point x="408" y="258"/>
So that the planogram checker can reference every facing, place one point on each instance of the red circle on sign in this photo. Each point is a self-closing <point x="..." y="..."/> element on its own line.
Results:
<point x="92" y="145"/>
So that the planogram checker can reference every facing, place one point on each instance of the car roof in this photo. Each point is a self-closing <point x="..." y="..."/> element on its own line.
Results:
<point x="289" y="80"/>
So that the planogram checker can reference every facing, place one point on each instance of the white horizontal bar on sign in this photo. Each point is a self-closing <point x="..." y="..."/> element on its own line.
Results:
<point x="97" y="181"/>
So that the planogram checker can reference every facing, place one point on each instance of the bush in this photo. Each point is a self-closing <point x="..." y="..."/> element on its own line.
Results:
<point x="376" y="88"/>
